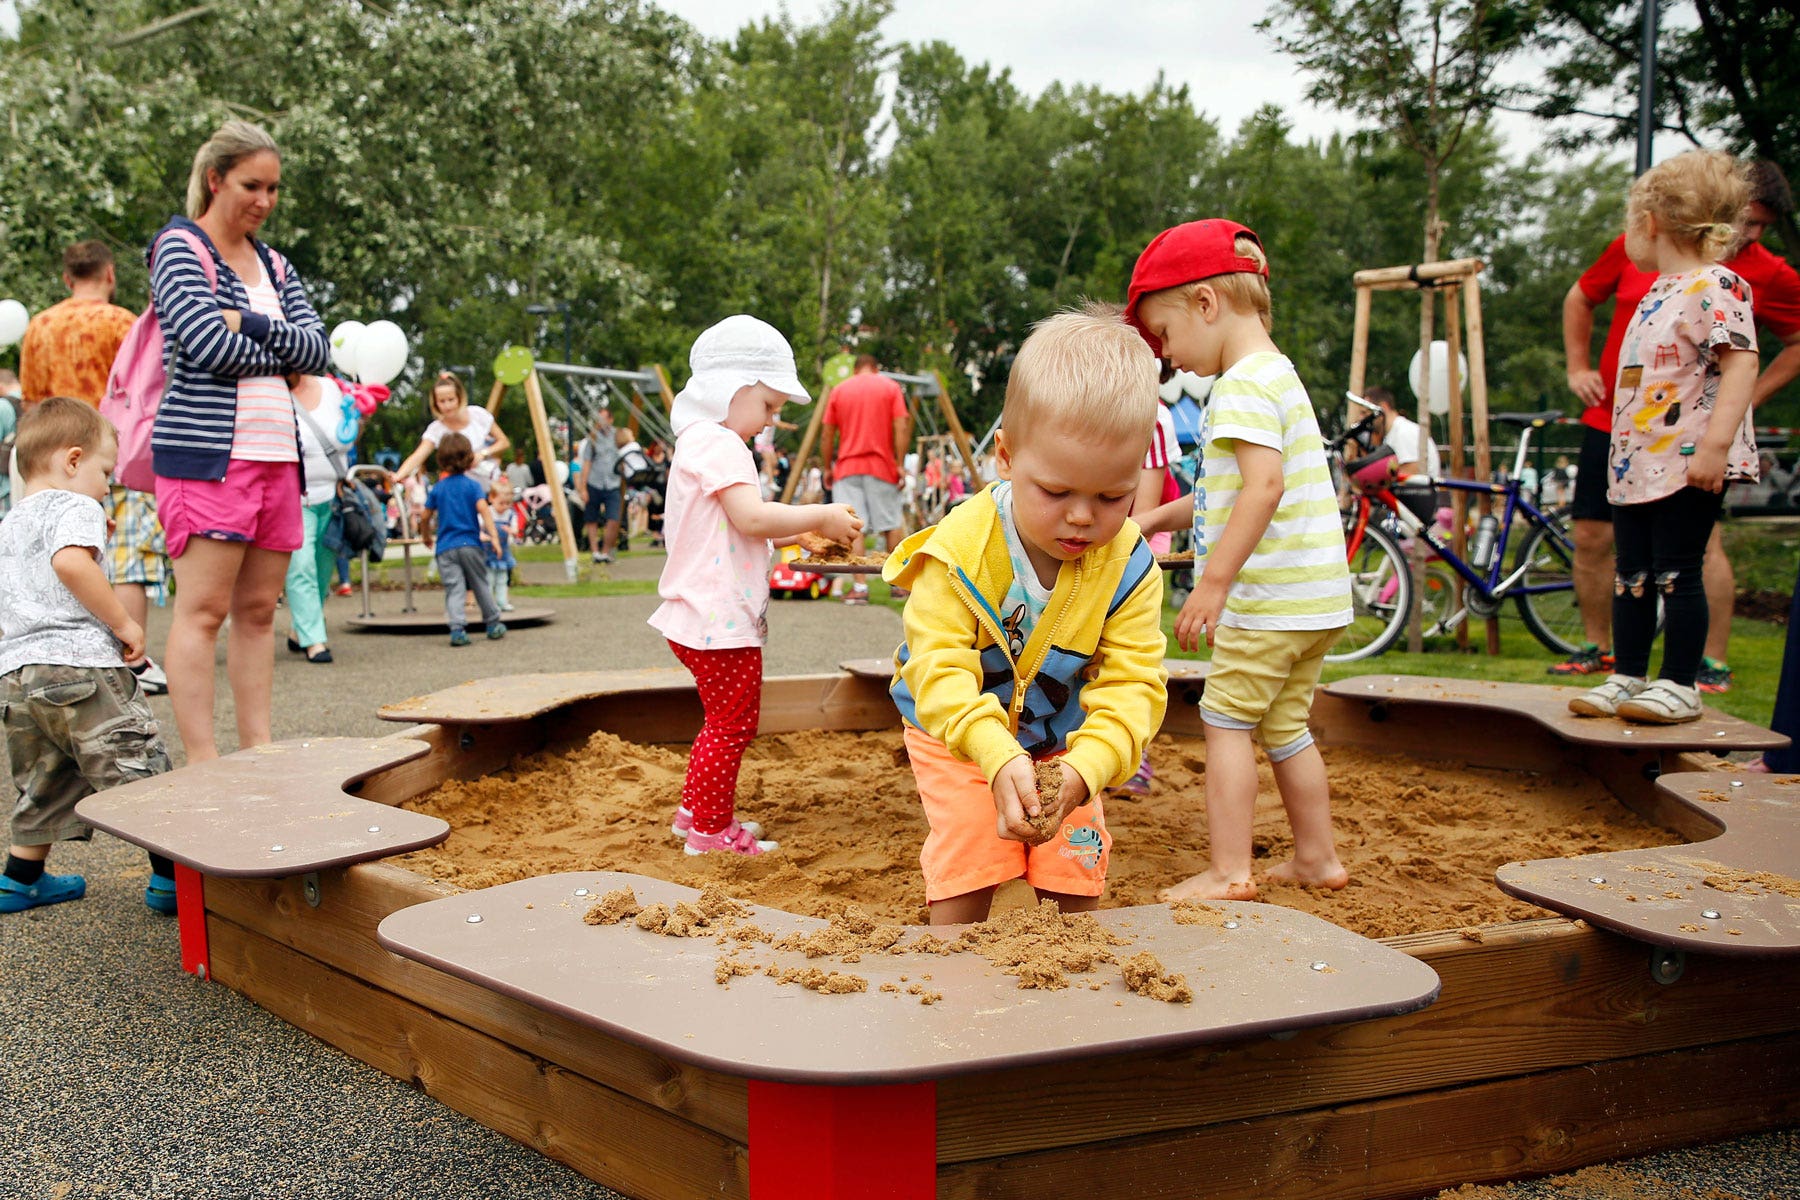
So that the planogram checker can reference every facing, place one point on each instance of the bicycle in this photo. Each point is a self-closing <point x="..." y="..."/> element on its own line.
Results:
<point x="1540" y="580"/>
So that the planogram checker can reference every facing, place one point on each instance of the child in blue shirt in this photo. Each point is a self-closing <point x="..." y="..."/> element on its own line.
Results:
<point x="459" y="511"/>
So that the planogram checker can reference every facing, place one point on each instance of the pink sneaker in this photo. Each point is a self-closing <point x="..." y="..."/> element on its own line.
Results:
<point x="684" y="821"/>
<point x="733" y="838"/>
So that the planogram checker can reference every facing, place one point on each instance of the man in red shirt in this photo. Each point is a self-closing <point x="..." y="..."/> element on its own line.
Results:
<point x="68" y="351"/>
<point x="866" y="423"/>
<point x="1775" y="299"/>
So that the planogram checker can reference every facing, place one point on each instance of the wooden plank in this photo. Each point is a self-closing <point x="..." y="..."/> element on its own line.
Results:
<point x="1359" y="341"/>
<point x="1549" y="995"/>
<point x="559" y="505"/>
<point x="489" y="748"/>
<point x="1416" y="1144"/>
<point x="1454" y="268"/>
<point x="340" y="934"/>
<point x="1434" y="732"/>
<point x="607" y="1136"/>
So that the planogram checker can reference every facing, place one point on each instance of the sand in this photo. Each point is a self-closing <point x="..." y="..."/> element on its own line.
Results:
<point x="1421" y="839"/>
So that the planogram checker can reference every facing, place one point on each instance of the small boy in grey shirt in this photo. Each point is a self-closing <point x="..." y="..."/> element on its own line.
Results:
<point x="75" y="721"/>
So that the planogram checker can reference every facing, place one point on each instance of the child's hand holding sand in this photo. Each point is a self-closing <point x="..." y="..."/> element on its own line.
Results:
<point x="840" y="523"/>
<point x="1031" y="800"/>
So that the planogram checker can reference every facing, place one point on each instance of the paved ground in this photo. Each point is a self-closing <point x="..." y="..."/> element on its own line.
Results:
<point x="121" y="1077"/>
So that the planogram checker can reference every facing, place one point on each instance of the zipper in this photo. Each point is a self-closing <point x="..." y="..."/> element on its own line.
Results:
<point x="1018" y="703"/>
<point x="999" y="637"/>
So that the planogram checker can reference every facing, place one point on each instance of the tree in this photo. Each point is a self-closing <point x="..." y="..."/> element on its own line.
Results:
<point x="1422" y="70"/>
<point x="1726" y="73"/>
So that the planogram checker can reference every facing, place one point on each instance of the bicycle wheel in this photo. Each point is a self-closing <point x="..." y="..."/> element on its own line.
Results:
<point x="1380" y="596"/>
<point x="1554" y="618"/>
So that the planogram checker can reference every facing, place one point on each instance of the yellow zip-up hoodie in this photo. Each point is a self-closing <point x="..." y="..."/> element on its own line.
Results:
<point x="1089" y="680"/>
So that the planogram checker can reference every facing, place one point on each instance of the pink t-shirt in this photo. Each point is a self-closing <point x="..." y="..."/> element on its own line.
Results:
<point x="715" y="585"/>
<point x="1669" y="381"/>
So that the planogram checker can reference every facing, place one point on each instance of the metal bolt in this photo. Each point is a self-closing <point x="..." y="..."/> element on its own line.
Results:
<point x="1737" y="783"/>
<point x="1718" y="733"/>
<point x="1709" y="914"/>
<point x="1320" y="965"/>
<point x="277" y="849"/>
<point x="1231" y="924"/>
<point x="581" y="891"/>
<point x="1630" y="733"/>
<point x="1596" y="879"/>
<point x="474" y="918"/>
<point x="374" y="829"/>
<point x="310" y="888"/>
<point x="1666" y="965"/>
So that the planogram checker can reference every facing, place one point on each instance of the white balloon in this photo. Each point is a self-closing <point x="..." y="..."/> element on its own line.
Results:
<point x="13" y="320"/>
<point x="1440" y="375"/>
<point x="1197" y="386"/>
<point x="381" y="352"/>
<point x="1170" y="392"/>
<point x="343" y="345"/>
<point x="562" y="473"/>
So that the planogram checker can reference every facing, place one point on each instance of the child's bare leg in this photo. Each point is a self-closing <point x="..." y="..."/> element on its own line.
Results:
<point x="1306" y="794"/>
<point x="29" y="853"/>
<point x="1068" y="903"/>
<point x="963" y="909"/>
<point x="1230" y="811"/>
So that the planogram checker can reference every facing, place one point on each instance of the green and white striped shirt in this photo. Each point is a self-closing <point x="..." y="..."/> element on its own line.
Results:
<point x="1296" y="578"/>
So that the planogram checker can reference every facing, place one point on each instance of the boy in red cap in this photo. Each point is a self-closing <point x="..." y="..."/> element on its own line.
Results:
<point x="1272" y="590"/>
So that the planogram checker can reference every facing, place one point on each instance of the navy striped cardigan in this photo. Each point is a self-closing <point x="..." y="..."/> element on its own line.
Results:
<point x="197" y="420"/>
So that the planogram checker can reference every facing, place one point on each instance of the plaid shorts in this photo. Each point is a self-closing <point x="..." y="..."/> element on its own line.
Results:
<point x="136" y="552"/>
<point x="70" y="732"/>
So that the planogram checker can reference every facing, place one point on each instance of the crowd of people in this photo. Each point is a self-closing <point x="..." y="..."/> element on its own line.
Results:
<point x="1031" y="630"/>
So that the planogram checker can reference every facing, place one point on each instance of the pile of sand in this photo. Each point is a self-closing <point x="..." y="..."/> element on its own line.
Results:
<point x="1421" y="839"/>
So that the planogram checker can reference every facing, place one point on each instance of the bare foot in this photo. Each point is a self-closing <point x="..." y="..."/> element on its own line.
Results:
<point x="1208" y="886"/>
<point x="1330" y="874"/>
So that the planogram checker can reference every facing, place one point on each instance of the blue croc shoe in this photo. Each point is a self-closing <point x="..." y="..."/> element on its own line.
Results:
<point x="49" y="889"/>
<point x="160" y="895"/>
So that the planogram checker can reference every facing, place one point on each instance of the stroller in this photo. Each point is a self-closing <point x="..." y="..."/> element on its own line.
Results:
<point x="537" y="516"/>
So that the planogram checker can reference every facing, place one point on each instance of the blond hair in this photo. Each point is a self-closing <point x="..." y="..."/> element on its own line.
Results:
<point x="1244" y="291"/>
<point x="1086" y="372"/>
<point x="53" y="426"/>
<point x="230" y="144"/>
<point x="1696" y="199"/>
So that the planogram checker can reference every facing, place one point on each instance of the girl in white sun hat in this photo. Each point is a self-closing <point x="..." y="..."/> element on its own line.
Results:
<point x="715" y="585"/>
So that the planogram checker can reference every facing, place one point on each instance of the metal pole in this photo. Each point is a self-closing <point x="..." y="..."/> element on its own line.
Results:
<point x="1646" y="87"/>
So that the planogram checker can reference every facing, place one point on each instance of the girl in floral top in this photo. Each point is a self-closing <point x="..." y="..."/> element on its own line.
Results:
<point x="1680" y="429"/>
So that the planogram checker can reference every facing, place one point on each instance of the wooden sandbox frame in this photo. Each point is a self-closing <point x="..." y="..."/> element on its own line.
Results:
<point x="1552" y="1044"/>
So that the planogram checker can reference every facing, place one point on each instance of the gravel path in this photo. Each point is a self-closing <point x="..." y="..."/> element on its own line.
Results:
<point x="121" y="1077"/>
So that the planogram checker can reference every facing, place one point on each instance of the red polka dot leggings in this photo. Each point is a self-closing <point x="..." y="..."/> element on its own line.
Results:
<point x="730" y="685"/>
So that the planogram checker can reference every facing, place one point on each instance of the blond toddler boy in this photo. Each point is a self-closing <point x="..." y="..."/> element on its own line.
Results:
<point x="1034" y="628"/>
<point x="1272" y="589"/>
<point x="74" y="717"/>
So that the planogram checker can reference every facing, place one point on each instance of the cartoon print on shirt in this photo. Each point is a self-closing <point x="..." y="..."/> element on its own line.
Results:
<point x="1013" y="625"/>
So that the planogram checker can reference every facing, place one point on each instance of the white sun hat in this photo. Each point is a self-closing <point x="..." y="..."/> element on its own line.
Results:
<point x="736" y="353"/>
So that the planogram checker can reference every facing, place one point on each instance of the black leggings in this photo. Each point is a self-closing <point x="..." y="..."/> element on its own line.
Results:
<point x="1658" y="548"/>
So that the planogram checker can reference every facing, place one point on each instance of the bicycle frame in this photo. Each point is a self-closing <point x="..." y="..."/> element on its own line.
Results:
<point x="1493" y="584"/>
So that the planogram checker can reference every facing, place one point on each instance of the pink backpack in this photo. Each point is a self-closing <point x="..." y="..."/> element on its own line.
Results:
<point x="139" y="378"/>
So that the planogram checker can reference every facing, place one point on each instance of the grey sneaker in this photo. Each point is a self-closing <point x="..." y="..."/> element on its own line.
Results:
<point x="1662" y="703"/>
<point x="1604" y="701"/>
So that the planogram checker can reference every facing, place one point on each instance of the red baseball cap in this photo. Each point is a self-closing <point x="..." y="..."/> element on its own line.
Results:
<point x="1187" y="253"/>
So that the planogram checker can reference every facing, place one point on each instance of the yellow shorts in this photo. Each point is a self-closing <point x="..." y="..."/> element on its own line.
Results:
<point x="964" y="852"/>
<point x="1263" y="679"/>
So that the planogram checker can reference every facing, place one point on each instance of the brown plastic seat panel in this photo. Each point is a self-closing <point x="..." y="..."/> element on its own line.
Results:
<point x="1548" y="705"/>
<point x="273" y="810"/>
<point x="1661" y="895"/>
<point x="869" y="668"/>
<point x="659" y="992"/>
<point x="523" y="697"/>
<point x="433" y="618"/>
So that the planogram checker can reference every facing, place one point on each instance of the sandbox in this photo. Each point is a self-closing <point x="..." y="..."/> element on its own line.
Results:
<point x="1550" y="1042"/>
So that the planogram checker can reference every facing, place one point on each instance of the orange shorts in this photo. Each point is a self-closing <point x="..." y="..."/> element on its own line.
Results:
<point x="964" y="853"/>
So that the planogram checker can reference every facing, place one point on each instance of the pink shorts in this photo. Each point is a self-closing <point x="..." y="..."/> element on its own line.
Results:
<point x="964" y="852"/>
<point x="256" y="502"/>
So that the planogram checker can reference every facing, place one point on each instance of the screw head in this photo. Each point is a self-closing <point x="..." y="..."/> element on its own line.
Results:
<point x="1718" y="733"/>
<point x="474" y="918"/>
<point x="277" y="849"/>
<point x="1630" y="733"/>
<point x="1709" y="914"/>
<point x="1737" y="783"/>
<point x="1596" y="879"/>
<point x="1231" y="924"/>
<point x="374" y="829"/>
<point x="1320" y="965"/>
<point x="581" y="891"/>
